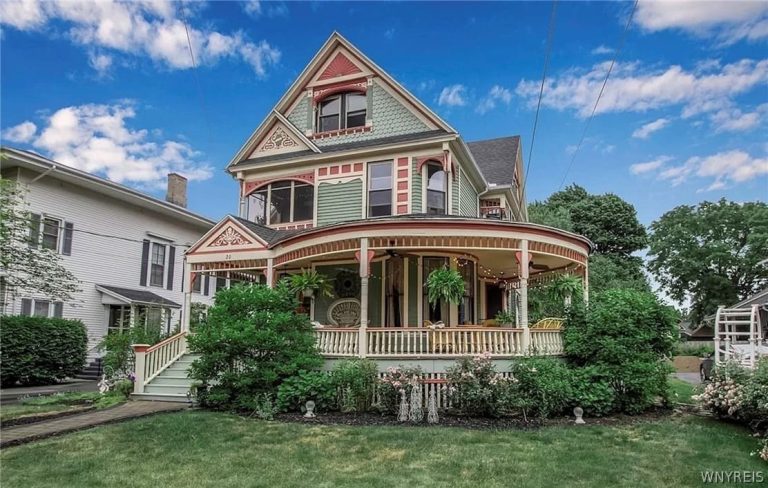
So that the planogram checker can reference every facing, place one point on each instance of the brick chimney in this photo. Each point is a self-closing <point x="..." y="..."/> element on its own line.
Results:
<point x="177" y="190"/>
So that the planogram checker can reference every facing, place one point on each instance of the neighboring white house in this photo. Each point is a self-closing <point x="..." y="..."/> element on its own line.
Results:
<point x="126" y="248"/>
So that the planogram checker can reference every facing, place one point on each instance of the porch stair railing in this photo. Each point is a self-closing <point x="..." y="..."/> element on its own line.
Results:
<point x="153" y="360"/>
<point x="446" y="342"/>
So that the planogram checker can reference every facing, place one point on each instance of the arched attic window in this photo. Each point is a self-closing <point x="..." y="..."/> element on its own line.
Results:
<point x="280" y="202"/>
<point x="341" y="111"/>
<point x="437" y="189"/>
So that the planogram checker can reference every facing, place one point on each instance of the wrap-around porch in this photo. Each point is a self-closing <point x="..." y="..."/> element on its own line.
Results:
<point x="378" y="268"/>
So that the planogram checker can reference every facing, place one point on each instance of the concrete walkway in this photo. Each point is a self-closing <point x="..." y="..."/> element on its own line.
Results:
<point x="692" y="378"/>
<point x="22" y="434"/>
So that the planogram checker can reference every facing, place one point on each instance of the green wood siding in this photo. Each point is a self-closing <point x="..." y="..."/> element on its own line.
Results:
<point x="455" y="196"/>
<point x="414" y="294"/>
<point x="415" y="189"/>
<point x="389" y="118"/>
<point x="300" y="116"/>
<point x="468" y="197"/>
<point x="339" y="202"/>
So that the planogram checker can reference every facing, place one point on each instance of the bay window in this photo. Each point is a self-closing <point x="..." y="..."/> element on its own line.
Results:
<point x="380" y="189"/>
<point x="281" y="202"/>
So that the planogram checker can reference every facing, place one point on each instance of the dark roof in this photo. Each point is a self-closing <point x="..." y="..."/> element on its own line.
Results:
<point x="496" y="158"/>
<point x="140" y="296"/>
<point x="268" y="234"/>
<point x="347" y="146"/>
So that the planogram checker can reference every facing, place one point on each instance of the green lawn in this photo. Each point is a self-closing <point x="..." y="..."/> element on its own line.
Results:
<point x="59" y="402"/>
<point x="204" y="449"/>
<point x="682" y="391"/>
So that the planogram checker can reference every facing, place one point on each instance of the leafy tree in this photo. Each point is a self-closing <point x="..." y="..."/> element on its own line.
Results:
<point x="610" y="223"/>
<point x="26" y="267"/>
<point x="553" y="216"/>
<point x="709" y="253"/>
<point x="608" y="271"/>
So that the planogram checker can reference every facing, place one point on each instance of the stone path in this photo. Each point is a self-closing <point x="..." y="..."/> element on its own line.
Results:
<point x="21" y="434"/>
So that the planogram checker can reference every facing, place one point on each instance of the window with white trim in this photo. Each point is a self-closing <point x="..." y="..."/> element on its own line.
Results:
<point x="342" y="111"/>
<point x="380" y="189"/>
<point x="40" y="307"/>
<point x="49" y="232"/>
<point x="157" y="265"/>
<point x="437" y="189"/>
<point x="281" y="202"/>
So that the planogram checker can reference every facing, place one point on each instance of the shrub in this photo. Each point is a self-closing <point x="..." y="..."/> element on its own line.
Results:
<point x="538" y="387"/>
<point x="474" y="386"/>
<point x="396" y="381"/>
<point x="592" y="391"/>
<point x="355" y="381"/>
<point x="627" y="335"/>
<point x="119" y="356"/>
<point x="318" y="386"/>
<point x="251" y="341"/>
<point x="262" y="405"/>
<point x="38" y="350"/>
<point x="123" y="387"/>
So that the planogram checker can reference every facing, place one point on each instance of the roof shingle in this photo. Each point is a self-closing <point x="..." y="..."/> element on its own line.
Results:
<point x="496" y="158"/>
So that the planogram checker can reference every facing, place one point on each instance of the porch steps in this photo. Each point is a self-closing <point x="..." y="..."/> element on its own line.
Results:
<point x="172" y="384"/>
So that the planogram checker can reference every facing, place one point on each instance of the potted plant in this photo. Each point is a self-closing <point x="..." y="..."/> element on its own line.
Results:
<point x="308" y="282"/>
<point x="505" y="318"/>
<point x="445" y="284"/>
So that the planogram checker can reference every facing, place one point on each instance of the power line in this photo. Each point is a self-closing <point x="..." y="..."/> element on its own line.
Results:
<point x="550" y="36"/>
<point x="194" y="71"/>
<point x="599" y="95"/>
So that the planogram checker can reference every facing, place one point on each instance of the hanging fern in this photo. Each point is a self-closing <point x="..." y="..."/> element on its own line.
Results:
<point x="445" y="284"/>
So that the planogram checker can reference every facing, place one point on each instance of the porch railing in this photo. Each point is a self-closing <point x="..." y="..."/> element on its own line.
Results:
<point x="153" y="360"/>
<point x="447" y="342"/>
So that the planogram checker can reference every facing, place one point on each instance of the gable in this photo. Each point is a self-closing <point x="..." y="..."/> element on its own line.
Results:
<point x="279" y="139"/>
<point x="338" y="65"/>
<point x="226" y="236"/>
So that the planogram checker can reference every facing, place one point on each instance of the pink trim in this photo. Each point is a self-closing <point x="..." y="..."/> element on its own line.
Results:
<point x="402" y="209"/>
<point x="402" y="185"/>
<point x="439" y="159"/>
<point x="358" y="167"/>
<point x="402" y="162"/>
<point x="402" y="197"/>
<point x="252" y="186"/>
<point x="334" y="170"/>
<point x="140" y="347"/>
<point x="322" y="172"/>
<point x="357" y="85"/>
<point x="346" y="168"/>
<point x="402" y="173"/>
<point x="340" y="66"/>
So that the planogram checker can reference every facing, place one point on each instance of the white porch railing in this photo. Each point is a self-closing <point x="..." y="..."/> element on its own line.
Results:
<point x="448" y="342"/>
<point x="153" y="360"/>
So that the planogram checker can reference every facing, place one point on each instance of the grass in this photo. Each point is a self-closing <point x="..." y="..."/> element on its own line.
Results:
<point x="205" y="449"/>
<point x="59" y="402"/>
<point x="681" y="391"/>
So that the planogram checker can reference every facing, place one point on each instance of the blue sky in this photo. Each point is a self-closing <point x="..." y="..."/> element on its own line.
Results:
<point x="109" y="87"/>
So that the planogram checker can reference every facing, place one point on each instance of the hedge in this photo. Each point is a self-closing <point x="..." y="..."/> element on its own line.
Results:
<point x="39" y="351"/>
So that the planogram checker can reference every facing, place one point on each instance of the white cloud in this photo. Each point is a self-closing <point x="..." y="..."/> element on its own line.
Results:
<point x="21" y="133"/>
<point x="732" y="119"/>
<point x="496" y="94"/>
<point x="601" y="49"/>
<point x="647" y="129"/>
<point x="641" y="168"/>
<point x="151" y="28"/>
<point x="252" y="8"/>
<point x="734" y="166"/>
<point x="633" y="88"/>
<point x="101" y="63"/>
<point x="452" y="96"/>
<point x="726" y="21"/>
<point x="96" y="139"/>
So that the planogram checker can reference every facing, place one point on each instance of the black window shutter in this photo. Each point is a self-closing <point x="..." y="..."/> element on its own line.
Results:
<point x="69" y="228"/>
<point x="171" y="262"/>
<point x="144" y="263"/>
<point x="58" y="309"/>
<point x="207" y="283"/>
<point x="34" y="230"/>
<point x="26" y="306"/>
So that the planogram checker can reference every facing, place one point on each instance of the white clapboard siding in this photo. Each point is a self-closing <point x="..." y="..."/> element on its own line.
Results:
<point x="97" y="259"/>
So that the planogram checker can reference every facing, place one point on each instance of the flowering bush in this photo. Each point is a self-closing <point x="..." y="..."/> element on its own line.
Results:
<point x="474" y="386"/>
<point x="395" y="382"/>
<point x="538" y="387"/>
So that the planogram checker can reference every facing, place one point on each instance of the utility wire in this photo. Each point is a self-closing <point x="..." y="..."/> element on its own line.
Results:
<point x="194" y="70"/>
<point x="599" y="95"/>
<point x="550" y="35"/>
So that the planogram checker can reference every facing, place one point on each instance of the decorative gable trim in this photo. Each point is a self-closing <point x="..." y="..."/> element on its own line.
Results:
<point x="228" y="235"/>
<point x="339" y="66"/>
<point x="444" y="159"/>
<point x="276" y="135"/>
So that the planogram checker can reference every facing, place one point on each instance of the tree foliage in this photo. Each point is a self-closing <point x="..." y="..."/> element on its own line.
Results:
<point x="709" y="253"/>
<point x="28" y="268"/>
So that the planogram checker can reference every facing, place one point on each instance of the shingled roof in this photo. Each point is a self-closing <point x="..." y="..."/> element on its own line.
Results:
<point x="496" y="158"/>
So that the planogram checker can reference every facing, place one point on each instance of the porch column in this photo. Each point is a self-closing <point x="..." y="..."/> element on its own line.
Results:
<point x="270" y="272"/>
<point x="523" y="290"/>
<point x="362" y="338"/>
<point x="186" y="311"/>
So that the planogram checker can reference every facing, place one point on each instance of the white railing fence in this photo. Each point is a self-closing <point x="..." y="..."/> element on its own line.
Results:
<point x="153" y="360"/>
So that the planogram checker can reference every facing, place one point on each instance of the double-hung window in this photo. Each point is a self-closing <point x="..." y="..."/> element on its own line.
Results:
<point x="38" y="307"/>
<point x="50" y="233"/>
<point x="380" y="189"/>
<point x="437" y="190"/>
<point x="342" y="111"/>
<point x="157" y="268"/>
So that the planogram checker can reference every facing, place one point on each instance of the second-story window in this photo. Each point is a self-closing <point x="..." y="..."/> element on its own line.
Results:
<point x="342" y="111"/>
<point x="157" y="271"/>
<point x="437" y="190"/>
<point x="380" y="189"/>
<point x="281" y="202"/>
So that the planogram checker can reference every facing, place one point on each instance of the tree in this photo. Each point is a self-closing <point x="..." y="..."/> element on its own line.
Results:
<point x="610" y="223"/>
<point x="709" y="253"/>
<point x="25" y="266"/>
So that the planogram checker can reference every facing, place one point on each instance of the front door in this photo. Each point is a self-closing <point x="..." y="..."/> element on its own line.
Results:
<point x="494" y="298"/>
<point x="393" y="292"/>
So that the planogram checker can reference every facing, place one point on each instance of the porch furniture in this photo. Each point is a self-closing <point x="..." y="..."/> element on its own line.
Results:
<point x="548" y="323"/>
<point x="344" y="312"/>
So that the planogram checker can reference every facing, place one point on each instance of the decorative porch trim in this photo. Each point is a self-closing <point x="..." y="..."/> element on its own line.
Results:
<point x="251" y="186"/>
